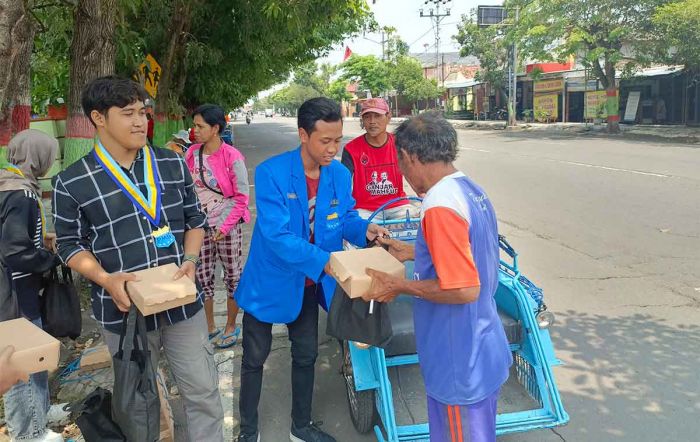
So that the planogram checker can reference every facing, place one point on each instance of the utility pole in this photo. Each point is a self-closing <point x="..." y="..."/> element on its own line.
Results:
<point x="436" y="17"/>
<point x="512" y="120"/>
<point x="383" y="41"/>
<point x="497" y="16"/>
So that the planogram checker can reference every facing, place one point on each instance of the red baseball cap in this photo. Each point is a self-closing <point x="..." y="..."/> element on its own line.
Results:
<point x="376" y="105"/>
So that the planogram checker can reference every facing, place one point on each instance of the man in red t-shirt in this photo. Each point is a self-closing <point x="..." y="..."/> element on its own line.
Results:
<point x="373" y="163"/>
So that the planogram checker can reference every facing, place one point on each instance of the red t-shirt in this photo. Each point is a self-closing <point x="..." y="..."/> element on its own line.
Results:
<point x="151" y="126"/>
<point x="376" y="176"/>
<point x="311" y="192"/>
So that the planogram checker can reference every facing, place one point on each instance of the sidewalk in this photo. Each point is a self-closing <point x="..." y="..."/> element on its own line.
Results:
<point x="667" y="133"/>
<point x="679" y="134"/>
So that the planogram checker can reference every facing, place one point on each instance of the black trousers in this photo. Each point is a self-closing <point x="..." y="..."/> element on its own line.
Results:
<point x="257" y="339"/>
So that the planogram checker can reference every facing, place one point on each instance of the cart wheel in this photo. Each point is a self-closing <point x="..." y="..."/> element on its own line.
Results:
<point x="362" y="404"/>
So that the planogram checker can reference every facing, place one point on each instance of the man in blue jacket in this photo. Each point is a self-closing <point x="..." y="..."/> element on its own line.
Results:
<point x="305" y="211"/>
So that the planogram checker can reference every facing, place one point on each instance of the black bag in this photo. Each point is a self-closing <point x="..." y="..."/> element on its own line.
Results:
<point x="60" y="305"/>
<point x="94" y="417"/>
<point x="135" y="403"/>
<point x="9" y="307"/>
<point x="349" y="320"/>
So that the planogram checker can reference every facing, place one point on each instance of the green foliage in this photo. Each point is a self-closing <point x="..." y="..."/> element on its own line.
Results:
<point x="678" y="32"/>
<point x="406" y="78"/>
<point x="602" y="33"/>
<point x="369" y="71"/>
<point x="605" y="35"/>
<point x="542" y="116"/>
<point x="404" y="73"/>
<point x="292" y="97"/>
<point x="313" y="76"/>
<point x="337" y="90"/>
<point x="423" y="90"/>
<point x="395" y="46"/>
<point x="489" y="45"/>
<point x="237" y="51"/>
<point x="231" y="49"/>
<point x="50" y="64"/>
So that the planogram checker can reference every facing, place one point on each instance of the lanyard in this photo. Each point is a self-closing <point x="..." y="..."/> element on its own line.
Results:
<point x="150" y="204"/>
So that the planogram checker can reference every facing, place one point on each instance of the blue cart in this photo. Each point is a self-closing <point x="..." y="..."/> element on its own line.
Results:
<point x="384" y="387"/>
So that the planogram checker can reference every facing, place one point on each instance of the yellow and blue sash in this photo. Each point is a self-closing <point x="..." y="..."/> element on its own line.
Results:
<point x="17" y="171"/>
<point x="148" y="205"/>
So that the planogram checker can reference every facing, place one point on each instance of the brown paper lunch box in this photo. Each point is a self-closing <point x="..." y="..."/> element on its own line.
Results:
<point x="348" y="268"/>
<point x="35" y="350"/>
<point x="156" y="291"/>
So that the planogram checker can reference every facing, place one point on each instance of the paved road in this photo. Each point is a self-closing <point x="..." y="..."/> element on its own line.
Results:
<point x="611" y="230"/>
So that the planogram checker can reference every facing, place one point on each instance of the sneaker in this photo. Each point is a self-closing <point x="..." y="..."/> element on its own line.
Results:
<point x="48" y="436"/>
<point x="310" y="433"/>
<point x="248" y="438"/>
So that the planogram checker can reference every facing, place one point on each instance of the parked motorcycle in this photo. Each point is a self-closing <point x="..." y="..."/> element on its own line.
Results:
<point x="501" y="114"/>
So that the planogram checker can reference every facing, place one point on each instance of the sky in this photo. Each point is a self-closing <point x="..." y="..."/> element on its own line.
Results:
<point x="415" y="30"/>
<point x="412" y="28"/>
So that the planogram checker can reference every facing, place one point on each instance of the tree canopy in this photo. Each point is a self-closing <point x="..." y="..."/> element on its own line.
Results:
<point x="368" y="71"/>
<point x="605" y="35"/>
<point x="489" y="45"/>
<point x="678" y="32"/>
<point x="222" y="51"/>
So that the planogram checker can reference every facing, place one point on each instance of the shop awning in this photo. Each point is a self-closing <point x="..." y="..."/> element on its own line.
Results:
<point x="658" y="71"/>
<point x="461" y="84"/>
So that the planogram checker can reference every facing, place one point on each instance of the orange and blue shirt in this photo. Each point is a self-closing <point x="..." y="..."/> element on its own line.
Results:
<point x="462" y="348"/>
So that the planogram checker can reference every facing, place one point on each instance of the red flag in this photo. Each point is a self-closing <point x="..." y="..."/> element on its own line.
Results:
<point x="348" y="53"/>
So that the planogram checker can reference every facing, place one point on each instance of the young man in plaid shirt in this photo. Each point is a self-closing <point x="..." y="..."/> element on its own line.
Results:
<point x="125" y="207"/>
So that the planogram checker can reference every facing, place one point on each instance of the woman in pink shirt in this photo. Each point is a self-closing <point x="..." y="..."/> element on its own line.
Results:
<point x="221" y="182"/>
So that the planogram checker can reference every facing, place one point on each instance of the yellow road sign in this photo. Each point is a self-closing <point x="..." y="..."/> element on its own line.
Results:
<point x="149" y="75"/>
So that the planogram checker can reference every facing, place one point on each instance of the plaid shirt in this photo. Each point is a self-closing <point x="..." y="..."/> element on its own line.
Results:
<point x="91" y="213"/>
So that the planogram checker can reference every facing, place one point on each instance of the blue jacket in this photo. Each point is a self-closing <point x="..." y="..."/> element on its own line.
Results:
<point x="281" y="257"/>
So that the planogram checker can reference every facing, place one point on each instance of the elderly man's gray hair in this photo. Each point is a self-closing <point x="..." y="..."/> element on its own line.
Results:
<point x="429" y="136"/>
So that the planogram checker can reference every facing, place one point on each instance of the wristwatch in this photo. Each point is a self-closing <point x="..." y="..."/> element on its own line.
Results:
<point x="194" y="259"/>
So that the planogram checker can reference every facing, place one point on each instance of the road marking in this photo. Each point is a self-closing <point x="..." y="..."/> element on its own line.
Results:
<point x="614" y="169"/>
<point x="576" y="163"/>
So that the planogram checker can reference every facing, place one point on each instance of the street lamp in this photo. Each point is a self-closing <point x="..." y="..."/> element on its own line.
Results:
<point x="497" y="16"/>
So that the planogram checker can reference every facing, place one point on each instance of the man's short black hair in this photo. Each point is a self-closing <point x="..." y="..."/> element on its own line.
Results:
<point x="429" y="136"/>
<point x="212" y="114"/>
<point x="103" y="93"/>
<point x="317" y="109"/>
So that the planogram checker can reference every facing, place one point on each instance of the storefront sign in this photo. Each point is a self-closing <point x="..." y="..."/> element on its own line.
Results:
<point x="546" y="107"/>
<point x="555" y="85"/>
<point x="632" y="105"/>
<point x="595" y="105"/>
<point x="579" y="85"/>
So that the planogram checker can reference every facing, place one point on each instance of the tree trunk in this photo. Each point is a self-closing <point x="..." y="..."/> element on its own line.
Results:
<point x="170" y="62"/>
<point x="92" y="55"/>
<point x="16" y="42"/>
<point x="612" y="102"/>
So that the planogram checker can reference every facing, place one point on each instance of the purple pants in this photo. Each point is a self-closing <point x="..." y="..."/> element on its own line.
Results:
<point x="463" y="423"/>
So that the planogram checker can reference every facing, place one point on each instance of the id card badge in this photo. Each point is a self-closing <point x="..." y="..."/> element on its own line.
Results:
<point x="163" y="237"/>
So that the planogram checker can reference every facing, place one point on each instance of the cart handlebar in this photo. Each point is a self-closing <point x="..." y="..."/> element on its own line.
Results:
<point x="390" y="202"/>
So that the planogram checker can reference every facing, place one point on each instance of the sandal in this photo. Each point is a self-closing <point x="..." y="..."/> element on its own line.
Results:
<point x="221" y="342"/>
<point x="214" y="334"/>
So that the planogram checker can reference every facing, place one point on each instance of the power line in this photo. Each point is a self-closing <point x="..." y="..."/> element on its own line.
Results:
<point x="424" y="34"/>
<point x="429" y="30"/>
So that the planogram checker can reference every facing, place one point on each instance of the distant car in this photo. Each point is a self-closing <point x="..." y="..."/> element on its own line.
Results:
<point x="269" y="113"/>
